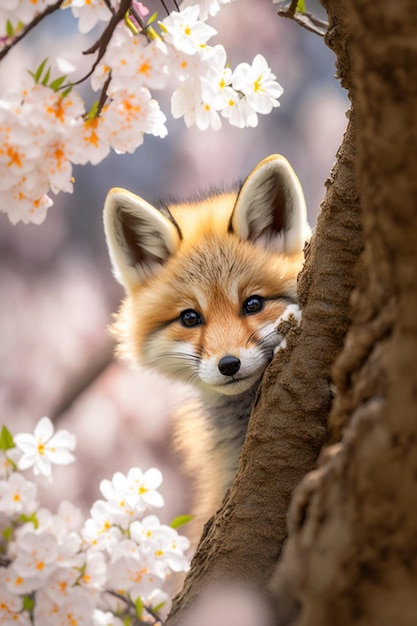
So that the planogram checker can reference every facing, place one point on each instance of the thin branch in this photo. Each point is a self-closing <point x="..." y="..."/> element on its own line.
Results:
<point x="138" y="18"/>
<point x="165" y="7"/>
<point x="50" y="9"/>
<point x="102" y="43"/>
<point x="306" y="20"/>
<point x="103" y="95"/>
<point x="82" y="382"/>
<point x="109" y="6"/>
<point x="131" y="611"/>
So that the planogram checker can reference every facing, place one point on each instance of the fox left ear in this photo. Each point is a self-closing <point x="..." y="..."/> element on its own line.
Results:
<point x="140" y="238"/>
<point x="270" y="208"/>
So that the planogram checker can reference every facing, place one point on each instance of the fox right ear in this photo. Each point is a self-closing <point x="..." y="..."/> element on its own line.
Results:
<point x="270" y="208"/>
<point x="139" y="237"/>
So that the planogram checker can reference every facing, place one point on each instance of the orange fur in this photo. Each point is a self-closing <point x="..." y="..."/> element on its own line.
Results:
<point x="210" y="257"/>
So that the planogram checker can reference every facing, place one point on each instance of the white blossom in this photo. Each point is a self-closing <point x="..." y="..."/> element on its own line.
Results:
<point x="98" y="531"/>
<point x="69" y="568"/>
<point x="207" y="7"/>
<point x="138" y="489"/>
<point x="258" y="84"/>
<point x="185" y="31"/>
<point x="44" y="448"/>
<point x="11" y="613"/>
<point x="89" y="13"/>
<point x="76" y="608"/>
<point x="17" y="495"/>
<point x="43" y="134"/>
<point x="36" y="553"/>
<point x="105" y="618"/>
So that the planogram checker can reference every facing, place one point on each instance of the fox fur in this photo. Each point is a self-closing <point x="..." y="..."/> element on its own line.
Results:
<point x="205" y="283"/>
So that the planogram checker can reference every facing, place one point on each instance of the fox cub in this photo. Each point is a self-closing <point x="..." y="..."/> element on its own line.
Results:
<point x="206" y="281"/>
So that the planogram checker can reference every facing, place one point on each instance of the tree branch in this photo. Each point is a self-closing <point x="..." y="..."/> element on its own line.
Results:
<point x="306" y="20"/>
<point x="83" y="381"/>
<point x="101" y="44"/>
<point x="287" y="427"/>
<point x="50" y="9"/>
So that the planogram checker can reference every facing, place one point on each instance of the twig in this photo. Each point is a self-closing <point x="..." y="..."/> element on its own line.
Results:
<point x="109" y="6"/>
<point x="103" y="95"/>
<point x="102" y="43"/>
<point x="138" y="18"/>
<point x="165" y="7"/>
<point x="82" y="382"/>
<point x="50" y="9"/>
<point x="306" y="20"/>
<point x="131" y="611"/>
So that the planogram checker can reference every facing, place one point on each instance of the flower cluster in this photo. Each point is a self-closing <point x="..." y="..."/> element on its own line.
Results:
<point x="58" y="570"/>
<point x="45" y="127"/>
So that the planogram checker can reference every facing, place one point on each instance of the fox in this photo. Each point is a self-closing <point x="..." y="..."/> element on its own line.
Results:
<point x="205" y="282"/>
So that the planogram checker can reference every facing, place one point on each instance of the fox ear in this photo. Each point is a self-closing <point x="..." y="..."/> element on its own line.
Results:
<point x="139" y="237"/>
<point x="270" y="208"/>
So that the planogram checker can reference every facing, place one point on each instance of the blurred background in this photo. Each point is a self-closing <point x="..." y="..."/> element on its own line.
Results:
<point x="57" y="291"/>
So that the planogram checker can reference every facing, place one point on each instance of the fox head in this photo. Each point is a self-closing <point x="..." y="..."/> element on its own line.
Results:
<point x="206" y="280"/>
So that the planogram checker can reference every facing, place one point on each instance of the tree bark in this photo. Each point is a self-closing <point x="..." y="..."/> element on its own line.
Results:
<point x="288" y="424"/>
<point x="351" y="555"/>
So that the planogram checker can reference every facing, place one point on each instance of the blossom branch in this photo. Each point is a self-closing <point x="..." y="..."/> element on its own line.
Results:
<point x="102" y="43"/>
<point x="50" y="9"/>
<point x="306" y="20"/>
<point x="131" y="67"/>
<point x="131" y="611"/>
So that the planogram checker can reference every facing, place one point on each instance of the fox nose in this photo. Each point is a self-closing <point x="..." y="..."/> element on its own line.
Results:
<point x="229" y="365"/>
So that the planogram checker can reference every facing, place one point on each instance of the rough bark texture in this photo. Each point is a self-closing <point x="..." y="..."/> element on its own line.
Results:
<point x="351" y="556"/>
<point x="288" y="425"/>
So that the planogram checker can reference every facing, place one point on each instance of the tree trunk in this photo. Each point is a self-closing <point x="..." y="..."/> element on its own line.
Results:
<point x="288" y="424"/>
<point x="351" y="554"/>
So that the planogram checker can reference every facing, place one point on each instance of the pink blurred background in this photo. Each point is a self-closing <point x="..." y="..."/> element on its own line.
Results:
<point x="57" y="290"/>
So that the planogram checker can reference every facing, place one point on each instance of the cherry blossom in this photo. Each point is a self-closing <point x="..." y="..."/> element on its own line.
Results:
<point x="98" y="530"/>
<point x="89" y="13"/>
<point x="67" y="571"/>
<point x="185" y="31"/>
<point x="36" y="553"/>
<point x="20" y="11"/>
<point x="207" y="7"/>
<point x="239" y="112"/>
<point x="45" y="128"/>
<point x="161" y="544"/>
<point x="44" y="448"/>
<point x="11" y="607"/>
<point x="17" y="495"/>
<point x="128" y="116"/>
<point x="258" y="84"/>
<point x="105" y="618"/>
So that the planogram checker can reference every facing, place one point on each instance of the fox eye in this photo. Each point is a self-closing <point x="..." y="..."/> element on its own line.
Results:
<point x="190" y="318"/>
<point x="253" y="304"/>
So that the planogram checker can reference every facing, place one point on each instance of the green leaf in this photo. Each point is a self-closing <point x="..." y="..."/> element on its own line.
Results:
<point x="152" y="18"/>
<point x="46" y="77"/>
<point x="37" y="75"/>
<point x="24" y="519"/>
<point x="158" y="607"/>
<point x="301" y="6"/>
<point x="130" y="24"/>
<point x="67" y="91"/>
<point x="6" y="439"/>
<point x="7" y="533"/>
<point x="57" y="83"/>
<point x="180" y="521"/>
<point x="28" y="603"/>
<point x="127" y="621"/>
<point x="9" y="29"/>
<point x="139" y="607"/>
<point x="93" y="111"/>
